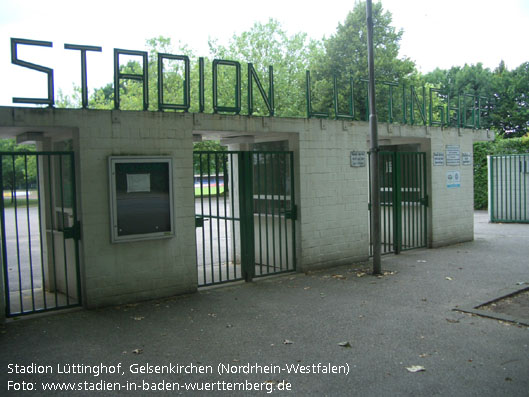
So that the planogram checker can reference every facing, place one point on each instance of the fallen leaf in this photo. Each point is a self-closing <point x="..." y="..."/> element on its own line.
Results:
<point x="361" y="274"/>
<point x="287" y="342"/>
<point x="448" y="278"/>
<point x="306" y="288"/>
<point x="423" y="355"/>
<point x="339" y="276"/>
<point x="452" y="321"/>
<point x="415" y="368"/>
<point x="212" y="315"/>
<point x="138" y="318"/>
<point x="137" y="351"/>
<point x="421" y="261"/>
<point x="344" y="344"/>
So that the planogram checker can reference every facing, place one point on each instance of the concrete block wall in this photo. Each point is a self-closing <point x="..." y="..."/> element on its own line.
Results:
<point x="333" y="196"/>
<point x="332" y="226"/>
<point x="451" y="210"/>
<point x="131" y="271"/>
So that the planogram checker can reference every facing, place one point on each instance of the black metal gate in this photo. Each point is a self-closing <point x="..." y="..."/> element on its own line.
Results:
<point x="403" y="201"/>
<point x="39" y="232"/>
<point x="245" y="215"/>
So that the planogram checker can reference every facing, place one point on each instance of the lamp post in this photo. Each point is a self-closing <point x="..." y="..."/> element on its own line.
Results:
<point x="375" y="188"/>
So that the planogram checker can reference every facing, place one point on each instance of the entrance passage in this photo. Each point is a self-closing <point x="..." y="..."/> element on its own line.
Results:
<point x="403" y="201"/>
<point x="244" y="215"/>
<point x="39" y="232"/>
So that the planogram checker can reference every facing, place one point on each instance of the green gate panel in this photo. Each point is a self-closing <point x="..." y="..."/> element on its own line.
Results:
<point x="38" y="216"/>
<point x="403" y="201"/>
<point x="245" y="215"/>
<point x="509" y="188"/>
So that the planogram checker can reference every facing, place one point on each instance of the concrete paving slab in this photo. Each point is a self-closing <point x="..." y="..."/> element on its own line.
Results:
<point x="339" y="332"/>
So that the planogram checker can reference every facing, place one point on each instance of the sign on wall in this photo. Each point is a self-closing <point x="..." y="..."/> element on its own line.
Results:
<point x="438" y="159"/>
<point x="453" y="179"/>
<point x="453" y="155"/>
<point x="358" y="159"/>
<point x="466" y="158"/>
<point x="141" y="199"/>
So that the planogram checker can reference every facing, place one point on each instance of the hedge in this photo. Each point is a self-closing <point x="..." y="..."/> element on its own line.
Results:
<point x="481" y="151"/>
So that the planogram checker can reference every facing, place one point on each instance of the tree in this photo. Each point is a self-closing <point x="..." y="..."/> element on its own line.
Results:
<point x="267" y="45"/>
<point x="346" y="57"/>
<point x="201" y="163"/>
<point x="18" y="171"/>
<point x="470" y="84"/>
<point x="510" y="117"/>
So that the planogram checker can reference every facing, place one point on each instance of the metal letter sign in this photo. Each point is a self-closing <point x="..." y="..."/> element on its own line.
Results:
<point x="84" y="85"/>
<point x="457" y="109"/>
<point x="50" y="100"/>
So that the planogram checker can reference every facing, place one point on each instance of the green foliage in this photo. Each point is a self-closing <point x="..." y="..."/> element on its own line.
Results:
<point x="268" y="45"/>
<point x="484" y="149"/>
<point x="510" y="117"/>
<point x="201" y="163"/>
<point x="346" y="57"/>
<point x="22" y="171"/>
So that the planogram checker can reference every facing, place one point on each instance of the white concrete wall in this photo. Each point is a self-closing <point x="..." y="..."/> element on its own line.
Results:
<point x="451" y="210"/>
<point x="332" y="196"/>
<point x="124" y="272"/>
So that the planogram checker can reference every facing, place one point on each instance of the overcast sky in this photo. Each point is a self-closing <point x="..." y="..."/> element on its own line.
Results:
<point x="436" y="33"/>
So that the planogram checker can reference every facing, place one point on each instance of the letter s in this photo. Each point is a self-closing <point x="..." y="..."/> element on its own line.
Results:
<point x="14" y="60"/>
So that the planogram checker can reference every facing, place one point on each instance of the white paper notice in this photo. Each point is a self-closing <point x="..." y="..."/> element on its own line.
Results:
<point x="138" y="183"/>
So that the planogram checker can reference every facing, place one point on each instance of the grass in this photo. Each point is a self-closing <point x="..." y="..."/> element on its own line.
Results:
<point x="21" y="200"/>
<point x="211" y="191"/>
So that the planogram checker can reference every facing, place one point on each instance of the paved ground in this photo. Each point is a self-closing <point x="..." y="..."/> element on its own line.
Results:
<point x="384" y="325"/>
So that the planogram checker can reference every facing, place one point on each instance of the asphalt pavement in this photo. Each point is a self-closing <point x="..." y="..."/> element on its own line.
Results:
<point x="338" y="332"/>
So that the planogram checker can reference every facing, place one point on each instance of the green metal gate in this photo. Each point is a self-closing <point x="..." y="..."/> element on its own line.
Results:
<point x="39" y="232"/>
<point x="509" y="188"/>
<point x="403" y="201"/>
<point x="245" y="215"/>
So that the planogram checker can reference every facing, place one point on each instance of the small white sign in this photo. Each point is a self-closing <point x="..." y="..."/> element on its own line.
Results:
<point x="466" y="158"/>
<point x="438" y="159"/>
<point x="138" y="183"/>
<point x="453" y="155"/>
<point x="453" y="179"/>
<point x="358" y="159"/>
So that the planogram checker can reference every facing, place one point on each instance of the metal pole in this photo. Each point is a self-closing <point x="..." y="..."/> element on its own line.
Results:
<point x="375" y="189"/>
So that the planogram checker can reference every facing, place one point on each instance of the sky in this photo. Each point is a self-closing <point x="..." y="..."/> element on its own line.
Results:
<point x="436" y="33"/>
